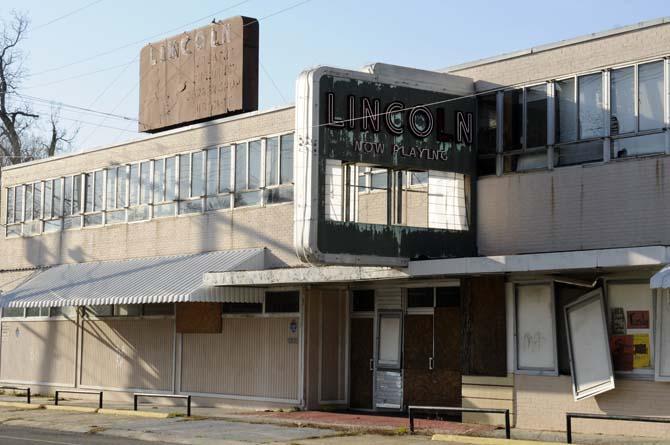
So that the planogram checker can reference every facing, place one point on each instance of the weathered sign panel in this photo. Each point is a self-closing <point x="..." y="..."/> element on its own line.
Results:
<point x="198" y="75"/>
<point x="346" y="118"/>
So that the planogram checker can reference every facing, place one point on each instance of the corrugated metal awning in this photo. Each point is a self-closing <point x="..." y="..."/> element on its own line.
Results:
<point x="661" y="279"/>
<point x="167" y="279"/>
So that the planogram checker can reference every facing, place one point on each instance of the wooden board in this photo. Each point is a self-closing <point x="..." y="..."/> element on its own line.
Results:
<point x="448" y="338"/>
<point x="484" y="327"/>
<point x="360" y="390"/>
<point x="198" y="318"/>
<point x="439" y="387"/>
<point x="209" y="72"/>
<point x="418" y="344"/>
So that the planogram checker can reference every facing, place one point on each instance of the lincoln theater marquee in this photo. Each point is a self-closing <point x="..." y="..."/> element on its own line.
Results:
<point x="385" y="166"/>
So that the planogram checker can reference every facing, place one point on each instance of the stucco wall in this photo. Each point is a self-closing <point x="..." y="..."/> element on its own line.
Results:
<point x="270" y="226"/>
<point x="592" y="54"/>
<point x="618" y="204"/>
<point x="38" y="352"/>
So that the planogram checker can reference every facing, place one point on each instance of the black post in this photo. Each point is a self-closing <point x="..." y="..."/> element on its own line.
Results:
<point x="135" y="402"/>
<point x="100" y="401"/>
<point x="28" y="394"/>
<point x="568" y="427"/>
<point x="188" y="406"/>
<point x="508" y="434"/>
<point x="411" y="420"/>
<point x="56" y="399"/>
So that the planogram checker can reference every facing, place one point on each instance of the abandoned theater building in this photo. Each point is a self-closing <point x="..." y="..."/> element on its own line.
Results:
<point x="494" y="234"/>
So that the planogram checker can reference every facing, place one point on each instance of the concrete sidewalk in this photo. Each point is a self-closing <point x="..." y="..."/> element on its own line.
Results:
<point x="235" y="425"/>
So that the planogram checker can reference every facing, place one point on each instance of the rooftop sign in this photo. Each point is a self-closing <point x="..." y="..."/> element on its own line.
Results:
<point x="202" y="74"/>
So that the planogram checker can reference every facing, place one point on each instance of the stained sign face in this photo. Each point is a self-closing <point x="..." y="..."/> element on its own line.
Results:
<point x="201" y="74"/>
<point x="385" y="169"/>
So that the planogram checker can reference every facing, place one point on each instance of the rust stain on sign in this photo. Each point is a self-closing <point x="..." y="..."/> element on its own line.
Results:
<point x="198" y="75"/>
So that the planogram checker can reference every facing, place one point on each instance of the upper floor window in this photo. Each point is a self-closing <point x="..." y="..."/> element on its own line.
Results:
<point x="258" y="172"/>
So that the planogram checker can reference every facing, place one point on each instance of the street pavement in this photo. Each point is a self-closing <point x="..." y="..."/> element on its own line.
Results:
<point x="10" y="435"/>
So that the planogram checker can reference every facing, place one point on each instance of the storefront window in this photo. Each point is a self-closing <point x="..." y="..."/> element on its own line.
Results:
<point x="286" y="159"/>
<point x="363" y="300"/>
<point x="288" y="301"/>
<point x="487" y="123"/>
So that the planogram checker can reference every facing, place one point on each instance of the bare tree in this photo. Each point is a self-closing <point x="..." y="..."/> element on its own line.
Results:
<point x="23" y="136"/>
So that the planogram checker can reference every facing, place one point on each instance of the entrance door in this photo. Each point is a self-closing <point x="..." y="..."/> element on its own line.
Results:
<point x="361" y="363"/>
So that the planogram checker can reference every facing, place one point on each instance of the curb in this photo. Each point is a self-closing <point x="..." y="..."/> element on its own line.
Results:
<point x="126" y="412"/>
<point x="75" y="409"/>
<point x="21" y="405"/>
<point x="488" y="440"/>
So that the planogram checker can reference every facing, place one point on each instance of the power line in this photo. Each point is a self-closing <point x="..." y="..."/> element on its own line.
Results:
<point x="74" y="107"/>
<point x="66" y="15"/>
<point x="137" y="42"/>
<point x="90" y="73"/>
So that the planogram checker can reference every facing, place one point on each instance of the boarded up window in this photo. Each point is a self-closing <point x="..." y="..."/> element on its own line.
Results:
<point x="535" y="329"/>
<point x="590" y="358"/>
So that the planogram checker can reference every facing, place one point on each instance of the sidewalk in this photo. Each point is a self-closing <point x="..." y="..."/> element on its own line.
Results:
<point x="235" y="425"/>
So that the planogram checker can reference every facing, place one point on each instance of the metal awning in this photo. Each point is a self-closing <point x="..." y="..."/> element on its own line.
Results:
<point x="166" y="279"/>
<point x="661" y="279"/>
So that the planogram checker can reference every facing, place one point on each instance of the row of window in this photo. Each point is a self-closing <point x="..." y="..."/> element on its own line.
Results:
<point x="375" y="195"/>
<point x="610" y="114"/>
<point x="257" y="172"/>
<point x="363" y="300"/>
<point x="275" y="302"/>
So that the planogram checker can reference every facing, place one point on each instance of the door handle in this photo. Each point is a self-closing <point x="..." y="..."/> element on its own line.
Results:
<point x="372" y="364"/>
<point x="431" y="363"/>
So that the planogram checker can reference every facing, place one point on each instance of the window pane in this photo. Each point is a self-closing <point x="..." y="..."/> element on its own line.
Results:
<point x="111" y="188"/>
<point x="121" y="186"/>
<point x="67" y="196"/>
<point x="29" y="202"/>
<point x="271" y="162"/>
<point x="379" y="180"/>
<point x="512" y="120"/>
<point x="170" y="178"/>
<point x="158" y="309"/>
<point x="76" y="194"/>
<point x="48" y="187"/>
<point x="101" y="311"/>
<point x="198" y="174"/>
<point x="241" y="166"/>
<point x="639" y="145"/>
<point x="282" y="301"/>
<point x="18" y="208"/>
<point x="487" y="124"/>
<point x="10" y="205"/>
<point x="99" y="183"/>
<point x="224" y="169"/>
<point x="212" y="174"/>
<point x="184" y="171"/>
<point x="58" y="195"/>
<point x="623" y="101"/>
<point x="650" y="77"/>
<point x="447" y="297"/>
<point x="242" y="308"/>
<point x="536" y="120"/>
<point x="580" y="153"/>
<point x="364" y="300"/>
<point x="420" y="297"/>
<point x="566" y="111"/>
<point x="32" y="312"/>
<point x="134" y="184"/>
<point x="37" y="200"/>
<point x="591" y="117"/>
<point x="12" y="312"/>
<point x="145" y="182"/>
<point x="286" y="161"/>
<point x="88" y="206"/>
<point x="159" y="180"/>
<point x="254" y="165"/>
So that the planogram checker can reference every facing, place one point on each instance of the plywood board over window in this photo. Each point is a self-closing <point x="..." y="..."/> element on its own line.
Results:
<point x="198" y="318"/>
<point x="535" y="328"/>
<point x="590" y="360"/>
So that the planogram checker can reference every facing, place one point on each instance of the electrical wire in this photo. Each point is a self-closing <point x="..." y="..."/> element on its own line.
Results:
<point x="90" y="73"/>
<point x="73" y="107"/>
<point x="43" y="25"/>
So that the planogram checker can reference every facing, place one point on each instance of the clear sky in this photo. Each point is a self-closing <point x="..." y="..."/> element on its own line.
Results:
<point x="427" y="34"/>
